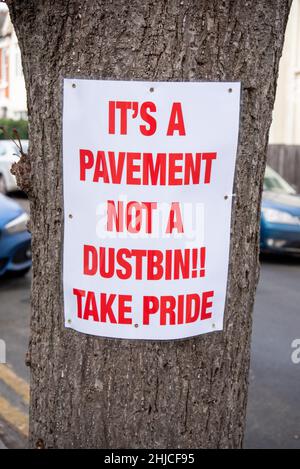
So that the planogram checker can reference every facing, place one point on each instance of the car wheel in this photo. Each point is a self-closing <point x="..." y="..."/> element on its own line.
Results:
<point x="17" y="273"/>
<point x="3" y="188"/>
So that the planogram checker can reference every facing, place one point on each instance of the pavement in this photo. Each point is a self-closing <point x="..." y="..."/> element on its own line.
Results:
<point x="273" y="416"/>
<point x="14" y="375"/>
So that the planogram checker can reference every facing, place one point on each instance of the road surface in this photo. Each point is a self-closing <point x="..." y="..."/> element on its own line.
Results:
<point x="273" y="418"/>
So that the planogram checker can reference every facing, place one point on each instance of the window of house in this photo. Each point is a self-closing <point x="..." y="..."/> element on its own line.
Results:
<point x="4" y="74"/>
<point x="18" y="63"/>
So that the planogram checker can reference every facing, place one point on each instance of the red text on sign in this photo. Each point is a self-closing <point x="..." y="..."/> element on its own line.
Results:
<point x="142" y="264"/>
<point x="148" y="169"/>
<point x="168" y="310"/>
<point x="121" y="110"/>
<point x="181" y="309"/>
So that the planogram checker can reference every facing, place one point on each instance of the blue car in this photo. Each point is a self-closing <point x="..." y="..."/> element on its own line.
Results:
<point x="280" y="216"/>
<point x="15" y="240"/>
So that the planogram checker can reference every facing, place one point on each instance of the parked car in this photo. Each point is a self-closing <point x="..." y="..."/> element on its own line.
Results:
<point x="280" y="216"/>
<point x="15" y="240"/>
<point x="9" y="153"/>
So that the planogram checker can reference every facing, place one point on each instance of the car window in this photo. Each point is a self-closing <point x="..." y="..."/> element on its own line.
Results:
<point x="275" y="183"/>
<point x="10" y="148"/>
<point x="2" y="149"/>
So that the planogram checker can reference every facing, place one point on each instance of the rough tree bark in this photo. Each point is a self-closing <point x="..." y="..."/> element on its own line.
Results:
<point x="91" y="392"/>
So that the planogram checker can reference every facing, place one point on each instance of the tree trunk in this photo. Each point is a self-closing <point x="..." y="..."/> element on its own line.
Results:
<point x="94" y="392"/>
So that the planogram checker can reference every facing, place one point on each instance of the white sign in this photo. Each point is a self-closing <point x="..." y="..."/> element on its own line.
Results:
<point x="148" y="178"/>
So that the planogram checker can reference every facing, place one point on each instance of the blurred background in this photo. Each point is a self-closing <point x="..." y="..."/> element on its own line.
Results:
<point x="273" y="415"/>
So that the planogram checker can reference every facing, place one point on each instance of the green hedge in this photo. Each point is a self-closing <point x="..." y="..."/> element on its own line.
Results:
<point x="10" y="124"/>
